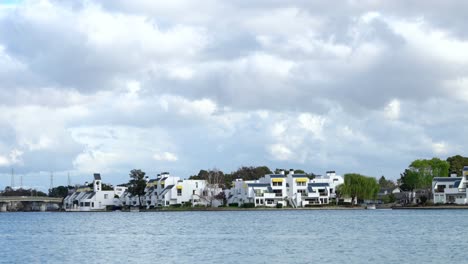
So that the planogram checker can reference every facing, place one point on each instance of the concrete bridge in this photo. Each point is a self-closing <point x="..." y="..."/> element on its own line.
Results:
<point x="28" y="202"/>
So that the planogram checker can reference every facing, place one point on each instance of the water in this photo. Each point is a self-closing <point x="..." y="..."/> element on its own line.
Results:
<point x="283" y="236"/>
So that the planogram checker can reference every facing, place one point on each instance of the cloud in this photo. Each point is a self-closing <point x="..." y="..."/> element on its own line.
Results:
<point x="361" y="86"/>
<point x="165" y="156"/>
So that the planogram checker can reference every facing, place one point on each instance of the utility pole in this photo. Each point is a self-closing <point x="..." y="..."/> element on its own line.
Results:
<point x="69" y="181"/>
<point x="51" y="181"/>
<point x="12" y="178"/>
<point x="21" y="182"/>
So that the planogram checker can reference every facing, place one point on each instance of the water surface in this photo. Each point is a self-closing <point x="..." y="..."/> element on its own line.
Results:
<point x="283" y="236"/>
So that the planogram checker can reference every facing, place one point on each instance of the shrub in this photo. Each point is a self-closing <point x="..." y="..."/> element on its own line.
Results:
<point x="248" y="205"/>
<point x="234" y="205"/>
<point x="279" y="205"/>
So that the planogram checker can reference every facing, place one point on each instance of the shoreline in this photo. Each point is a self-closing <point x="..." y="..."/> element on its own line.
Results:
<point x="432" y="207"/>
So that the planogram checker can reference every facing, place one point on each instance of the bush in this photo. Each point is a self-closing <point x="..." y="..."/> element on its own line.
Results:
<point x="188" y="204"/>
<point x="248" y="205"/>
<point x="279" y="205"/>
<point x="234" y="205"/>
<point x="176" y="205"/>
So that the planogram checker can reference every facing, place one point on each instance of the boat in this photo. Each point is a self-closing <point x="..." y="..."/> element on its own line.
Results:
<point x="370" y="207"/>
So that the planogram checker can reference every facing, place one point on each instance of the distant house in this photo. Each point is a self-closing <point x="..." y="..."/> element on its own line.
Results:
<point x="396" y="192"/>
<point x="167" y="190"/>
<point x="451" y="189"/>
<point x="86" y="199"/>
<point x="296" y="190"/>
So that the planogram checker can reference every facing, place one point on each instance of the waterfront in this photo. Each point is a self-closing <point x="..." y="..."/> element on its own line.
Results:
<point x="283" y="236"/>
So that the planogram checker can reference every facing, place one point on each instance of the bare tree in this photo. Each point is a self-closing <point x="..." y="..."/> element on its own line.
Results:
<point x="214" y="178"/>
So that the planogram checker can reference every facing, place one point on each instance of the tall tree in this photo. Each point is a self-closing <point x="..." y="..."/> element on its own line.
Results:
<point x="384" y="183"/>
<point x="456" y="164"/>
<point x="358" y="186"/>
<point x="411" y="180"/>
<point x="428" y="169"/>
<point x="137" y="184"/>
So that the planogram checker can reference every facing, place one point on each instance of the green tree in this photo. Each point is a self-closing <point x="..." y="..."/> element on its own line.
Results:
<point x="250" y="173"/>
<point x="384" y="183"/>
<point x="59" y="191"/>
<point x="456" y="164"/>
<point x="410" y="180"/>
<point x="428" y="169"/>
<point x="358" y="186"/>
<point x="137" y="184"/>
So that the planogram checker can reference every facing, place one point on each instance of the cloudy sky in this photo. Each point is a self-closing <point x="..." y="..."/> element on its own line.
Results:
<point x="181" y="85"/>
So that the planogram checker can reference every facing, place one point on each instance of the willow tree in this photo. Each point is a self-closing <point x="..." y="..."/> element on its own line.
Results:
<point x="359" y="186"/>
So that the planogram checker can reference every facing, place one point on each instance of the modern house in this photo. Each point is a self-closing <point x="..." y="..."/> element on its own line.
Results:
<point x="86" y="199"/>
<point x="296" y="190"/>
<point x="167" y="190"/>
<point x="451" y="189"/>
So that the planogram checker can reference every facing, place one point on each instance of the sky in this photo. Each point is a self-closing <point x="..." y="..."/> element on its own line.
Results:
<point x="182" y="85"/>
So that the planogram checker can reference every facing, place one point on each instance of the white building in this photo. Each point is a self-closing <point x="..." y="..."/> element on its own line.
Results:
<point x="86" y="199"/>
<point x="167" y="190"/>
<point x="296" y="190"/>
<point x="451" y="189"/>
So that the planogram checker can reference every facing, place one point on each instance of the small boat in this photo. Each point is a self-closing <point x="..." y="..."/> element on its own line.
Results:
<point x="370" y="207"/>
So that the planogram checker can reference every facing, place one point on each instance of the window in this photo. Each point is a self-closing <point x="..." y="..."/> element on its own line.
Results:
<point x="440" y="188"/>
<point x="196" y="184"/>
<point x="106" y="196"/>
<point x="86" y="204"/>
<point x="92" y="204"/>
<point x="258" y="192"/>
<point x="301" y="183"/>
<point x="162" y="185"/>
<point x="277" y="183"/>
<point x="193" y="192"/>
<point x="179" y="192"/>
<point x="278" y="193"/>
<point x="301" y="191"/>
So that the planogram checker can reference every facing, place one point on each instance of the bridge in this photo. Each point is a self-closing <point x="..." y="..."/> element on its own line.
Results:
<point x="6" y="202"/>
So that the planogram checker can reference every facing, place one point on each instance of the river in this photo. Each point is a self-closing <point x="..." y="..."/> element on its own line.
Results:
<point x="282" y="236"/>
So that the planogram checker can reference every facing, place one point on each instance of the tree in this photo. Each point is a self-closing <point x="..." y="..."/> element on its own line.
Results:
<point x="384" y="183"/>
<point x="250" y="173"/>
<point x="428" y="169"/>
<point x="222" y="197"/>
<point x="411" y="180"/>
<point x="59" y="191"/>
<point x="137" y="184"/>
<point x="456" y="164"/>
<point x="214" y="180"/>
<point x="359" y="186"/>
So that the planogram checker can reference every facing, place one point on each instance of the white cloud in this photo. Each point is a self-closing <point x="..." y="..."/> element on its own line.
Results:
<point x="301" y="83"/>
<point x="280" y="152"/>
<point x="392" y="110"/>
<point x="165" y="156"/>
